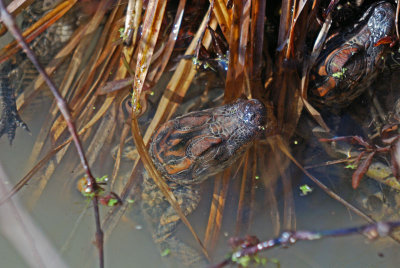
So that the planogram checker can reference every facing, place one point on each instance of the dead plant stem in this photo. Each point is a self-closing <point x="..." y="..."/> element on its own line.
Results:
<point x="92" y="186"/>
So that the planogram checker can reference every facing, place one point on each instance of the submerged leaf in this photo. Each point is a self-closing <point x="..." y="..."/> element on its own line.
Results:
<point x="361" y="170"/>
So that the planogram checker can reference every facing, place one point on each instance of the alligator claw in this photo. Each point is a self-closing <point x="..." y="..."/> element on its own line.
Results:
<point x="9" y="122"/>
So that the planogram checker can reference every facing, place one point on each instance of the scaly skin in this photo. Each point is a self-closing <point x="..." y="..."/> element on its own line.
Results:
<point x="351" y="59"/>
<point x="9" y="119"/>
<point x="186" y="151"/>
<point x="18" y="72"/>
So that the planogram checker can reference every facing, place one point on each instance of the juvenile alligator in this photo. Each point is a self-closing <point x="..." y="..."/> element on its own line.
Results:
<point x="352" y="58"/>
<point x="18" y="72"/>
<point x="186" y="151"/>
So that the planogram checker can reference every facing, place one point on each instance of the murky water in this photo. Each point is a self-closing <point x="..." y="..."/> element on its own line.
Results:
<point x="130" y="245"/>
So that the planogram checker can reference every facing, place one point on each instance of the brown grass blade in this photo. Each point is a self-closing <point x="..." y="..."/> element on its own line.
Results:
<point x="155" y="74"/>
<point x="124" y="134"/>
<point x="42" y="137"/>
<point x="289" y="216"/>
<point x="397" y="19"/>
<point x="212" y="214"/>
<point x="255" y="55"/>
<point x="280" y="163"/>
<point x="246" y="195"/>
<point x="243" y="191"/>
<point x="266" y="164"/>
<point x="31" y="173"/>
<point x="51" y="165"/>
<point x="130" y="32"/>
<point x="179" y="83"/>
<point x="81" y="98"/>
<point x="54" y="64"/>
<point x="221" y="204"/>
<point x="72" y="44"/>
<point x="14" y="8"/>
<point x="234" y="86"/>
<point x="298" y="8"/>
<point x="51" y="67"/>
<point x="284" y="24"/>
<point x="50" y="154"/>
<point x="316" y="115"/>
<point x="17" y="5"/>
<point x="286" y="85"/>
<point x="151" y="27"/>
<point x="37" y="28"/>
<point x="114" y="85"/>
<point x="98" y="141"/>
<point x="223" y="17"/>
<point x="318" y="45"/>
<point x="361" y="170"/>
<point x="122" y="70"/>
<point x="217" y="209"/>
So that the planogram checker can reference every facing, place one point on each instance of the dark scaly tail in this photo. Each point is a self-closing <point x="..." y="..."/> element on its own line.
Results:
<point x="10" y="119"/>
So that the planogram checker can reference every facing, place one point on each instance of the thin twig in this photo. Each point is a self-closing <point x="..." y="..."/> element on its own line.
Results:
<point x="371" y="231"/>
<point x="92" y="186"/>
<point x="397" y="19"/>
<point x="325" y="188"/>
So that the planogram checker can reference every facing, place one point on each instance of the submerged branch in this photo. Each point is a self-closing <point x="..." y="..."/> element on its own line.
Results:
<point x="371" y="231"/>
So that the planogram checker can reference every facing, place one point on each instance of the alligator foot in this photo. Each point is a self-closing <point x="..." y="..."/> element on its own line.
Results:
<point x="164" y="220"/>
<point x="183" y="254"/>
<point x="9" y="122"/>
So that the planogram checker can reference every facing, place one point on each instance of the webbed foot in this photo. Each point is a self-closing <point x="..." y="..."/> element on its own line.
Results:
<point x="9" y="121"/>
<point x="9" y="117"/>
